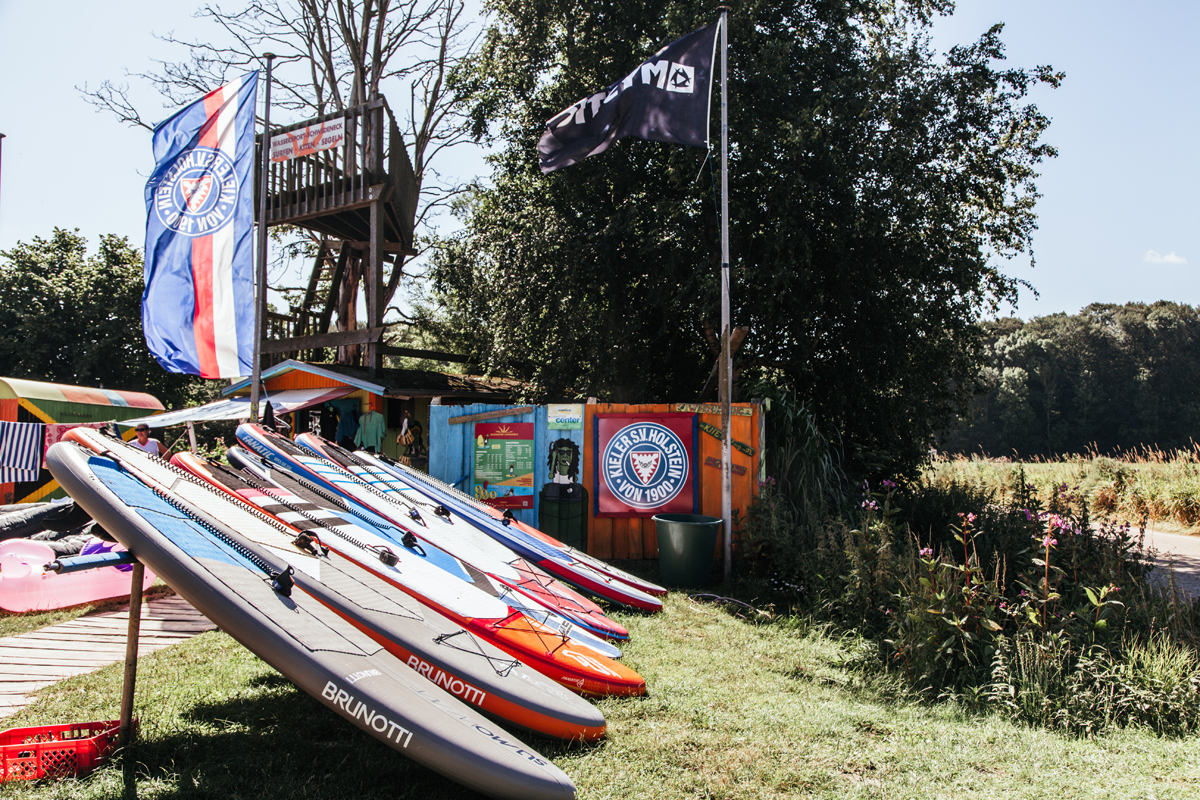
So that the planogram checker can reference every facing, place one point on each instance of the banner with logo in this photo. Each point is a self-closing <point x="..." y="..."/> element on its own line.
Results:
<point x="645" y="464"/>
<point x="666" y="99"/>
<point x="198" y="304"/>
<point x="308" y="140"/>
<point x="502" y="472"/>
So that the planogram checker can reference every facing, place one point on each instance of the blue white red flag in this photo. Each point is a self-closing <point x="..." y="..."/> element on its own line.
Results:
<point x="198" y="305"/>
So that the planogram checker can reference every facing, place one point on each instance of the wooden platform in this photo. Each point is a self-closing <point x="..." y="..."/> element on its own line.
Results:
<point x="31" y="661"/>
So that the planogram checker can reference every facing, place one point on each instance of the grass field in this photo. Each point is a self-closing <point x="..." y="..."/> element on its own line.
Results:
<point x="1156" y="487"/>
<point x="735" y="710"/>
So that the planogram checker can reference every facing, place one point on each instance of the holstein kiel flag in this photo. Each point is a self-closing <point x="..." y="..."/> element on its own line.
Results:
<point x="666" y="99"/>
<point x="198" y="306"/>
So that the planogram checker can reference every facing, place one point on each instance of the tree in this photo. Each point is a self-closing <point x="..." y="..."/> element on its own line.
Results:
<point x="68" y="317"/>
<point x="873" y="186"/>
<point x="1110" y="378"/>
<point x="332" y="55"/>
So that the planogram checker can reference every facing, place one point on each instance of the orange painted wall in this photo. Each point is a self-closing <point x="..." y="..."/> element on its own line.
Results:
<point x="298" y="379"/>
<point x="634" y="537"/>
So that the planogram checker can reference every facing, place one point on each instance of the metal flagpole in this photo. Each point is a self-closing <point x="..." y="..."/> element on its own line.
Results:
<point x="260" y="280"/>
<point x="1" y="151"/>
<point x="726" y="357"/>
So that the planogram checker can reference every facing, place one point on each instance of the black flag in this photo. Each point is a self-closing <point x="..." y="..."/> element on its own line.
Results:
<point x="666" y="99"/>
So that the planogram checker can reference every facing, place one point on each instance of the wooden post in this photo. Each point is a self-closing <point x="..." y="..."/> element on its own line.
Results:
<point x="125" y="732"/>
<point x="373" y="274"/>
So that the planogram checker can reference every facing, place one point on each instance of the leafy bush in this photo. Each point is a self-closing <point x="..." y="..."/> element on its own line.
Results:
<point x="1022" y="604"/>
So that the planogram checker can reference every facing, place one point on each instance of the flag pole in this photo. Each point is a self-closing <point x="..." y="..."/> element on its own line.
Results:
<point x="1" y="151"/>
<point x="260" y="280"/>
<point x="726" y="356"/>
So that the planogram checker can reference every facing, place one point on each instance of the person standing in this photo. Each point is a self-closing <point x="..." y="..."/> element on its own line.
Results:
<point x="144" y="442"/>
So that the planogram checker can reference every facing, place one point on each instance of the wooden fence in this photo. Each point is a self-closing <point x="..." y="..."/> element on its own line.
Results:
<point x="451" y="450"/>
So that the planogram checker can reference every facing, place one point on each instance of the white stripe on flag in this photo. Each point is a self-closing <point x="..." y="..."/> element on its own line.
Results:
<point x="224" y="302"/>
<point x="20" y="451"/>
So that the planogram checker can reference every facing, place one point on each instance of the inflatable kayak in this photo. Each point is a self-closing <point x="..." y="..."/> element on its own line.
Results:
<point x="262" y="603"/>
<point x="26" y="586"/>
<point x="307" y="508"/>
<point x="432" y="523"/>
<point x="560" y="560"/>
<point x="370" y="601"/>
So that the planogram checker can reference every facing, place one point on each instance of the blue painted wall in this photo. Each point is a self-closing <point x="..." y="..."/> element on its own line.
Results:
<point x="451" y="448"/>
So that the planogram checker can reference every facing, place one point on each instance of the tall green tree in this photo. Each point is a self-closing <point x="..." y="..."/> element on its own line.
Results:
<point x="1113" y="377"/>
<point x="874" y="184"/>
<point x="69" y="317"/>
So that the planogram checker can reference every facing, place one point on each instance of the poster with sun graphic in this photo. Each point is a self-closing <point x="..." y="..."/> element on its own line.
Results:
<point x="645" y="464"/>
<point x="502" y="473"/>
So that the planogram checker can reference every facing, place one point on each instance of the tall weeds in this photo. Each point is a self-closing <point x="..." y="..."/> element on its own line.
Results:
<point x="1001" y="594"/>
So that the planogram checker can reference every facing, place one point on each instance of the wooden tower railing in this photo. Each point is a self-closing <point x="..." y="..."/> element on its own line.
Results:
<point x="362" y="195"/>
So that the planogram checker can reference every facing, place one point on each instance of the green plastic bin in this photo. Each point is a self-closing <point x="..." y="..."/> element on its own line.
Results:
<point x="685" y="548"/>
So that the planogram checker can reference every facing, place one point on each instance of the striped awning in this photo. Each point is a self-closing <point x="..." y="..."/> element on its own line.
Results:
<point x="284" y="402"/>
<point x="62" y="393"/>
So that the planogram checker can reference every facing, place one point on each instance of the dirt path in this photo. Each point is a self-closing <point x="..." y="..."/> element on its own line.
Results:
<point x="1180" y="552"/>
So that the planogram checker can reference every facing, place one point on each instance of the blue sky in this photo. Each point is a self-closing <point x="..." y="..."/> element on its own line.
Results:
<point x="1117" y="217"/>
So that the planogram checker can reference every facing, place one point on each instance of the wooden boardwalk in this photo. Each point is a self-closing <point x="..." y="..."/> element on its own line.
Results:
<point x="31" y="661"/>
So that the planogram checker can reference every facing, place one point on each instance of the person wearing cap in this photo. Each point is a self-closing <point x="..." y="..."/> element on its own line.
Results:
<point x="144" y="442"/>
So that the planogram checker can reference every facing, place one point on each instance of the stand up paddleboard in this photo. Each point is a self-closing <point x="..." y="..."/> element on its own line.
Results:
<point x="529" y="548"/>
<point x="333" y="518"/>
<point x="560" y="560"/>
<point x="434" y="524"/>
<point x="253" y="596"/>
<point x="362" y="586"/>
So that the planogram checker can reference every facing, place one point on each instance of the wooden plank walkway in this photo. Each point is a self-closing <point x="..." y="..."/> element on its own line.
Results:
<point x="31" y="661"/>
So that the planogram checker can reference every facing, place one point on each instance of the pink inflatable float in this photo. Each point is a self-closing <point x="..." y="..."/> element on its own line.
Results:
<point x="24" y="586"/>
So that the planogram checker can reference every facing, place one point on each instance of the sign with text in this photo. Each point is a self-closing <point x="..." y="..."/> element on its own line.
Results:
<point x="564" y="416"/>
<point x="306" y="141"/>
<point x="645" y="464"/>
<point x="502" y="472"/>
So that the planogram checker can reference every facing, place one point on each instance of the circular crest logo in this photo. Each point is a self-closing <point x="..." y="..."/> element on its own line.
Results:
<point x="198" y="193"/>
<point x="645" y="465"/>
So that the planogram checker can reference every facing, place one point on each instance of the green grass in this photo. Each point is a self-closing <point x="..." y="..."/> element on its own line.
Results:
<point x="1145" y="487"/>
<point x="735" y="710"/>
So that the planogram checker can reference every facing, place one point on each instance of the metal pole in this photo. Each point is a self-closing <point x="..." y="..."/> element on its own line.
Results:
<point x="1" y="153"/>
<point x="125" y="731"/>
<point x="191" y="431"/>
<point x="726" y="356"/>
<point x="260" y="280"/>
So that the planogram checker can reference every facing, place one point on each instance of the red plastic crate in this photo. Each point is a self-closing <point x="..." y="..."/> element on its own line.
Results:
<point x="55" y="751"/>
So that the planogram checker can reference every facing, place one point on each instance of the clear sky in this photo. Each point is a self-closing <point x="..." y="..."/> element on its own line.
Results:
<point x="1117" y="217"/>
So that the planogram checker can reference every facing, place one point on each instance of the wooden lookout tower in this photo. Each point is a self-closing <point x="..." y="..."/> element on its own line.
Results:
<point x="360" y="197"/>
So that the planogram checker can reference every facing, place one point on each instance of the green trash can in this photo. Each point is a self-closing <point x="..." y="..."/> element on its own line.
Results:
<point x="685" y="548"/>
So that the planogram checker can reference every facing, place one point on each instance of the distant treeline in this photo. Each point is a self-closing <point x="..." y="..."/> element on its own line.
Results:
<point x="1111" y="378"/>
